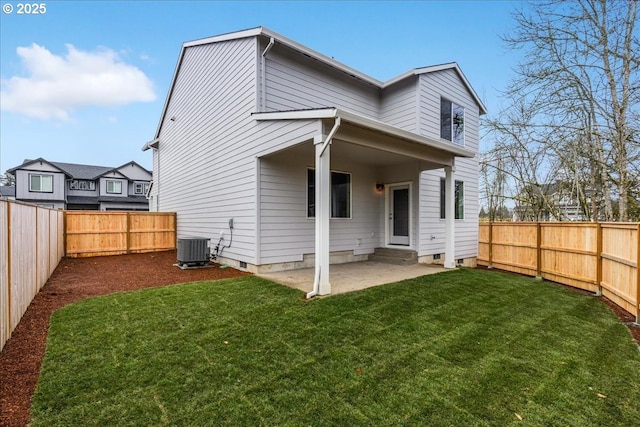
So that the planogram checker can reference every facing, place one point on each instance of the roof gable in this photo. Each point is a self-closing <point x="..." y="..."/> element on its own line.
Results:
<point x="28" y="162"/>
<point x="275" y="37"/>
<point x="134" y="171"/>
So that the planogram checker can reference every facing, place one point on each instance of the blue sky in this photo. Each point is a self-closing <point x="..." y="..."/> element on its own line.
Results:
<point x="85" y="81"/>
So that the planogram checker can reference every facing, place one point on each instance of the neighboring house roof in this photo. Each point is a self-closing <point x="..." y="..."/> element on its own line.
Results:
<point x="76" y="170"/>
<point x="7" y="191"/>
<point x="263" y="31"/>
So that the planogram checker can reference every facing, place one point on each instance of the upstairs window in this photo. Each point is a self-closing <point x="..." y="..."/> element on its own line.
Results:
<point x="40" y="183"/>
<point x="76" y="184"/>
<point x="459" y="200"/>
<point x="340" y="194"/>
<point x="140" y="187"/>
<point x="451" y="122"/>
<point x="114" y="187"/>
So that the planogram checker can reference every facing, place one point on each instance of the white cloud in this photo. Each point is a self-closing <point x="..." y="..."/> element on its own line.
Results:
<point x="55" y="86"/>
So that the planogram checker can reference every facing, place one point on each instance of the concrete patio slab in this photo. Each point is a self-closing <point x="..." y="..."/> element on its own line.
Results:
<point x="353" y="276"/>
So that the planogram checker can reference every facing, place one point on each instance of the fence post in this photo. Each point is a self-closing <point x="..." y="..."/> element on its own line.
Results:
<point x="65" y="234"/>
<point x="538" y="250"/>
<point x="37" y="245"/>
<point x="490" y="245"/>
<point x="599" y="259"/>
<point x="638" y="275"/>
<point x="9" y="299"/>
<point x="128" y="233"/>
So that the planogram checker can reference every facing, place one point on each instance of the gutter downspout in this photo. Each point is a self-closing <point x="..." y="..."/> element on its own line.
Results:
<point x="263" y="72"/>
<point x="319" y="246"/>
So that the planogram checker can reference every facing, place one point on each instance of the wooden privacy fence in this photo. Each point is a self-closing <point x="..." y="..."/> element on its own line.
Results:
<point x="33" y="240"/>
<point x="603" y="258"/>
<point x="31" y="246"/>
<point x="115" y="233"/>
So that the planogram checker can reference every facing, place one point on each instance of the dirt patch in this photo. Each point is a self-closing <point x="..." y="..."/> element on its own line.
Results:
<point x="73" y="280"/>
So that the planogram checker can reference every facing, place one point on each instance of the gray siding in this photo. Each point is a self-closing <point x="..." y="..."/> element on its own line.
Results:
<point x="215" y="162"/>
<point x="22" y="183"/>
<point x="205" y="168"/>
<point x="286" y="231"/>
<point x="432" y="86"/>
<point x="204" y="173"/>
<point x="399" y="105"/>
<point x="135" y="172"/>
<point x="295" y="82"/>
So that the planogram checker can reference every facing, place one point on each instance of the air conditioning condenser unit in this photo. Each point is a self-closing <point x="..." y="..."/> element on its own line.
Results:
<point x="193" y="251"/>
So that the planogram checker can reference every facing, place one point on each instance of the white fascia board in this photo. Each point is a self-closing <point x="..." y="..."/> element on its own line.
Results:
<point x="323" y="113"/>
<point x="151" y="144"/>
<point x="279" y="38"/>
<point x="366" y="122"/>
<point x="440" y="67"/>
<point x="379" y="126"/>
<point x="251" y="32"/>
<point x="321" y="57"/>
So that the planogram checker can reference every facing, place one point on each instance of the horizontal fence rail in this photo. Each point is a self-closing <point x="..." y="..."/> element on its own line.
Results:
<point x="33" y="240"/>
<point x="603" y="258"/>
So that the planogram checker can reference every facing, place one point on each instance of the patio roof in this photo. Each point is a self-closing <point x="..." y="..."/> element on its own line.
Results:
<point x="387" y="137"/>
<point x="371" y="133"/>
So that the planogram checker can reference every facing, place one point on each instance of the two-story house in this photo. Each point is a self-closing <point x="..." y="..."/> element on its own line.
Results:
<point x="82" y="187"/>
<point x="296" y="159"/>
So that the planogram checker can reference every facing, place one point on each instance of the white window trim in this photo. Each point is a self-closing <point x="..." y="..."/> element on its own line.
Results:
<point x="456" y="182"/>
<point x="453" y="107"/>
<point x="41" y="176"/>
<point x="112" y="181"/>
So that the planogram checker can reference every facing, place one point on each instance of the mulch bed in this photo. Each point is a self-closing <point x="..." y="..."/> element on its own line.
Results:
<point x="76" y="279"/>
<point x="73" y="280"/>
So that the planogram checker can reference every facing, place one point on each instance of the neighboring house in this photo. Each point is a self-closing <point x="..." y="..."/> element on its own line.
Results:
<point x="74" y="187"/>
<point x="308" y="156"/>
<point x="7" y="192"/>
<point x="557" y="201"/>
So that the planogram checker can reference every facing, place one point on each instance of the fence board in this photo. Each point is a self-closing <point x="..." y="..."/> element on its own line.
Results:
<point x="598" y="257"/>
<point x="23" y="265"/>
<point x="569" y="254"/>
<point x="513" y="247"/>
<point x="33" y="240"/>
<point x="114" y="233"/>
<point x="5" y="258"/>
<point x="620" y="265"/>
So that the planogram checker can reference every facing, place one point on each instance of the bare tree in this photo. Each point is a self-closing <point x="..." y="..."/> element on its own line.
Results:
<point x="574" y="102"/>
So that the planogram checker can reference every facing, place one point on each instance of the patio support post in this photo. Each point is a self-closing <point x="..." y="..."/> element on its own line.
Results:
<point x="323" y="213"/>
<point x="449" y="214"/>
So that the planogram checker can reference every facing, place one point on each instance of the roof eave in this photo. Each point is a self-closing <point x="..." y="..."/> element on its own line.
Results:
<point x="364" y="121"/>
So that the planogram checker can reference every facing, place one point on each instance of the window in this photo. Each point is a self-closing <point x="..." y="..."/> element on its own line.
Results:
<point x="451" y="122"/>
<point x="140" y="188"/>
<point x="114" y="187"/>
<point x="82" y="185"/>
<point x="40" y="183"/>
<point x="459" y="201"/>
<point x="340" y="194"/>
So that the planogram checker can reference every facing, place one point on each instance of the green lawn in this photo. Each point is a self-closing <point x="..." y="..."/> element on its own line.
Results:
<point x="463" y="348"/>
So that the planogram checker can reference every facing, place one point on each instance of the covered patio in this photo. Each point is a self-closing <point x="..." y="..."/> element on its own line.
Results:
<point x="393" y="157"/>
<point x="353" y="276"/>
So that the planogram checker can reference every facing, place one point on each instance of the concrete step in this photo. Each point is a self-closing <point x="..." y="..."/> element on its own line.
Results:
<point x="394" y="256"/>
